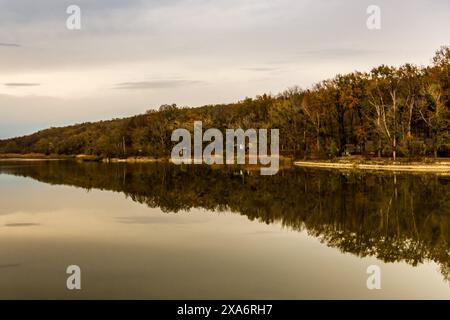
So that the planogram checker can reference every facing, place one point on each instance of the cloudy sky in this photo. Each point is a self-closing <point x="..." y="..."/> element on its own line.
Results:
<point x="130" y="56"/>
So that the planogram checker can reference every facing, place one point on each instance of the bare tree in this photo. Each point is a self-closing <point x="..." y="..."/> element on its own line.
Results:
<point x="384" y="98"/>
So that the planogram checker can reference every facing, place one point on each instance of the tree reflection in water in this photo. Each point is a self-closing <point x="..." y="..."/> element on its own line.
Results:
<point x="394" y="217"/>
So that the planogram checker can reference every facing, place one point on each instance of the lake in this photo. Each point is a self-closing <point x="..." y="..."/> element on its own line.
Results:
<point x="160" y="231"/>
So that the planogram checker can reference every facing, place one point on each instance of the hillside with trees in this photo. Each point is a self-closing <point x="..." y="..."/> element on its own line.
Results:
<point x="390" y="111"/>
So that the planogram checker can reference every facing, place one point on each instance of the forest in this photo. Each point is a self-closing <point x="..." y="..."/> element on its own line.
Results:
<point x="386" y="112"/>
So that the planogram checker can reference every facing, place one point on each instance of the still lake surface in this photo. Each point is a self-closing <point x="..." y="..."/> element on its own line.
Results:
<point x="155" y="231"/>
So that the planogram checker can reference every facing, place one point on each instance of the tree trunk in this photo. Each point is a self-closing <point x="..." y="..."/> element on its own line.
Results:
<point x="379" y="146"/>
<point x="341" y="133"/>
<point x="394" y="148"/>
<point x="435" y="144"/>
<point x="318" y="143"/>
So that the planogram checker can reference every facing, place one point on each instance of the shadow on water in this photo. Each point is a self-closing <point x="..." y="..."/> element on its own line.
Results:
<point x="394" y="217"/>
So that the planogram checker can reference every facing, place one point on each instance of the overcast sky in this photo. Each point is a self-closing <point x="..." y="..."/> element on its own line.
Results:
<point x="130" y="56"/>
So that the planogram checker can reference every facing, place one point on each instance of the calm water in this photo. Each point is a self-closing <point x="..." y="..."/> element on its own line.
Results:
<point x="160" y="231"/>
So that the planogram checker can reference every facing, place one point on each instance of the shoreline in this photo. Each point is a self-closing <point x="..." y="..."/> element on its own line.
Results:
<point x="428" y="165"/>
<point x="437" y="167"/>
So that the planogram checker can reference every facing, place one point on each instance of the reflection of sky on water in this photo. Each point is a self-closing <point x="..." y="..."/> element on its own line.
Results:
<point x="128" y="250"/>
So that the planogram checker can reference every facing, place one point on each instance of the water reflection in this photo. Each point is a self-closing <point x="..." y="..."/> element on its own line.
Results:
<point x="393" y="217"/>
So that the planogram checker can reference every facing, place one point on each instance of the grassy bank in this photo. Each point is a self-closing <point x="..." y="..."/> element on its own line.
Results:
<point x="34" y="156"/>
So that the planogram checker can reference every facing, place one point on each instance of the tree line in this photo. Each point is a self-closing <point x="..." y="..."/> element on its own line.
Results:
<point x="389" y="111"/>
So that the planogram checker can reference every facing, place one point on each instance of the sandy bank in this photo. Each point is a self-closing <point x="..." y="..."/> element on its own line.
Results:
<point x="439" y="167"/>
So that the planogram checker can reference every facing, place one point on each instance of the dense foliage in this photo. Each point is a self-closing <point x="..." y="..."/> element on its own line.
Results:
<point x="388" y="111"/>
